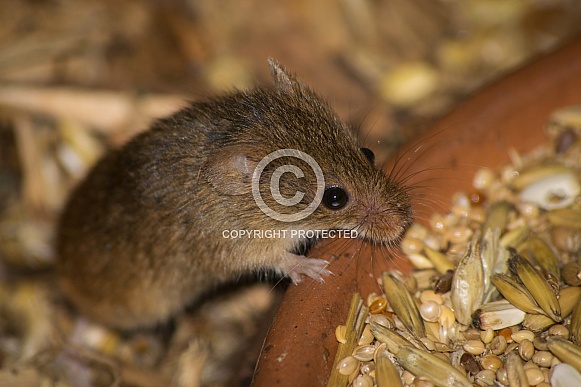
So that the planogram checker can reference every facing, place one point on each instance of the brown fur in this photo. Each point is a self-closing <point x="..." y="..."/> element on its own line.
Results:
<point x="141" y="236"/>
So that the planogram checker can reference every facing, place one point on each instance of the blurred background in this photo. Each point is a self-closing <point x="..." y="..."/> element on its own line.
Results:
<point x="79" y="77"/>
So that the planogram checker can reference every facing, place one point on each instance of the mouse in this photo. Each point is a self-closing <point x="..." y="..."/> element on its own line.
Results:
<point x="230" y="185"/>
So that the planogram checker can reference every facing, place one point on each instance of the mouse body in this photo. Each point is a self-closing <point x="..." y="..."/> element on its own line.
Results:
<point x="163" y="220"/>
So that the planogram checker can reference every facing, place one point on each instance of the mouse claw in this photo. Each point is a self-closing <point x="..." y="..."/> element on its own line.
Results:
<point x="297" y="266"/>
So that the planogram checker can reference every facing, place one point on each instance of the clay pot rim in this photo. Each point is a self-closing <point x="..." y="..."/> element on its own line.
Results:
<point x="300" y="346"/>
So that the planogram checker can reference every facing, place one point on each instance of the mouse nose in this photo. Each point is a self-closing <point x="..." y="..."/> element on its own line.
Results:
<point x="383" y="224"/>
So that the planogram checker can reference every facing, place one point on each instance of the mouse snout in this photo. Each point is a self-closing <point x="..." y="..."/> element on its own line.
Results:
<point x="383" y="222"/>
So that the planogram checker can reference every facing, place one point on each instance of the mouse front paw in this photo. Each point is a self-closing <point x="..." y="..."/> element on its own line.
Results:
<point x="297" y="266"/>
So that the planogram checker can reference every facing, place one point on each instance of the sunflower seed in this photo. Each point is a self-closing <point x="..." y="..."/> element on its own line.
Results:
<point x="467" y="291"/>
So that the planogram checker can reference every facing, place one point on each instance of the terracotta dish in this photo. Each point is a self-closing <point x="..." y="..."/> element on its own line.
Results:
<point x="301" y="345"/>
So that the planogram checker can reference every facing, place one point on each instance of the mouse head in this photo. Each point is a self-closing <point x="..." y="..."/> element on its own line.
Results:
<point x="285" y="153"/>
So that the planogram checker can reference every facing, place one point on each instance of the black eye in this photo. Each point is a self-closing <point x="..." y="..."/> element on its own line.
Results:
<point x="335" y="198"/>
<point x="369" y="154"/>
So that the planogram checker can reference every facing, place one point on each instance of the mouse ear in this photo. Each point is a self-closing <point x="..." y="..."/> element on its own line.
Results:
<point x="283" y="80"/>
<point x="229" y="171"/>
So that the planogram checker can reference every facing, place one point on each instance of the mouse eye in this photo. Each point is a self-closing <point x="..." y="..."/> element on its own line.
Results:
<point x="335" y="198"/>
<point x="368" y="154"/>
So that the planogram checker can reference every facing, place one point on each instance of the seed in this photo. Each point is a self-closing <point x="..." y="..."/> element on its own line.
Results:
<point x="569" y="297"/>
<point x="483" y="178"/>
<point x="542" y="253"/>
<point x="498" y="315"/>
<point x="367" y="367"/>
<point x="558" y="190"/>
<point x="430" y="311"/>
<point x="514" y="236"/>
<point x="416" y="231"/>
<point x="546" y="374"/>
<point x="420" y="262"/>
<point x="348" y="365"/>
<point x="386" y="374"/>
<point x="341" y="333"/>
<point x="536" y="284"/>
<point x="447" y="317"/>
<point x="363" y="381"/>
<point x="536" y="173"/>
<point x="571" y="273"/>
<point x="388" y="336"/>
<point x="366" y="336"/>
<point x="469" y="362"/>
<point x="534" y="376"/>
<point x="523" y="335"/>
<point x="565" y="375"/>
<point x="444" y="283"/>
<point x="458" y="235"/>
<point x="403" y="304"/>
<point x="431" y="367"/>
<point x="437" y="223"/>
<point x="542" y="358"/>
<point x="490" y="362"/>
<point x="407" y="377"/>
<point x="382" y="319"/>
<point x="526" y="349"/>
<point x="430" y="295"/>
<point x="511" y="347"/>
<point x="487" y="335"/>
<point x="507" y="333"/>
<point x="410" y="245"/>
<point x="471" y="334"/>
<point x="537" y="322"/>
<point x="364" y="352"/>
<point x="372" y="297"/>
<point x="567" y="238"/>
<point x="466" y="297"/>
<point x="411" y="283"/>
<point x="475" y="347"/>
<point x="394" y="85"/>
<point x="485" y="377"/>
<point x="559" y="330"/>
<point x="566" y="351"/>
<point x="498" y="345"/>
<point x="540" y="344"/>
<point x="441" y="262"/>
<point x="515" y="293"/>
<point x="515" y="371"/>
<point x="378" y="306"/>
<point x="424" y="278"/>
<point x="501" y="376"/>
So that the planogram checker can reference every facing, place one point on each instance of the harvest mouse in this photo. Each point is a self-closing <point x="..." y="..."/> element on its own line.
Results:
<point x="181" y="207"/>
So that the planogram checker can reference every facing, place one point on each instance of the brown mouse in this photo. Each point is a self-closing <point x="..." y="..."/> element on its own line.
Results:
<point x="165" y="218"/>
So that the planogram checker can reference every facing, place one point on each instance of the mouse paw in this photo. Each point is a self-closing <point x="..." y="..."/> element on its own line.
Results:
<point x="297" y="266"/>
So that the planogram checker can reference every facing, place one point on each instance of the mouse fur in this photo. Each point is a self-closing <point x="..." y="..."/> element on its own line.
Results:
<point x="142" y="235"/>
